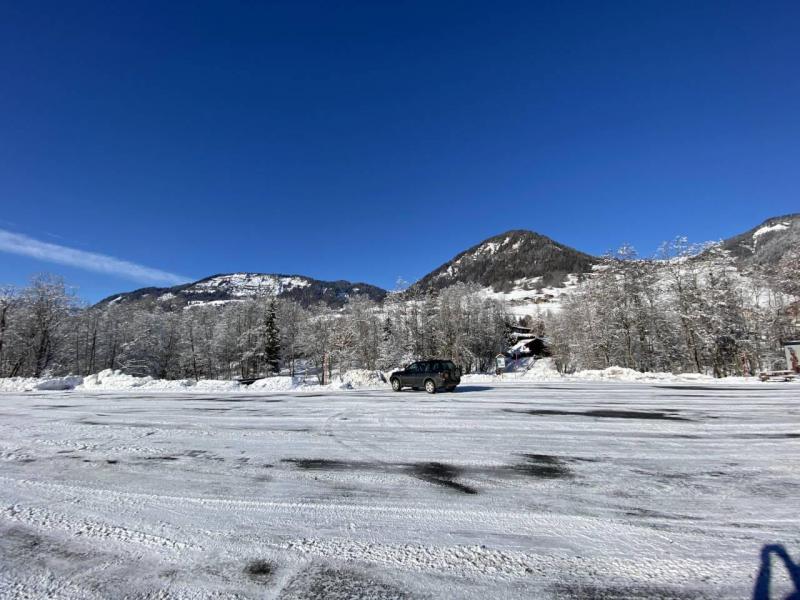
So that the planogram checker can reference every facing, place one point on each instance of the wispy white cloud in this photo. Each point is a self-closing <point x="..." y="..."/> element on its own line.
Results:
<point x="17" y="243"/>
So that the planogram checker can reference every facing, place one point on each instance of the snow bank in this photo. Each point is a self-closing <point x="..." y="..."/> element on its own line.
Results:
<point x="623" y="374"/>
<point x="27" y="384"/>
<point x="115" y="379"/>
<point x="118" y="381"/>
<point x="540" y="371"/>
<point x="545" y="370"/>
<point x="60" y="383"/>
<point x="18" y="384"/>
<point x="360" y="379"/>
<point x="109" y="380"/>
<point x="349" y="380"/>
<point x="275" y="384"/>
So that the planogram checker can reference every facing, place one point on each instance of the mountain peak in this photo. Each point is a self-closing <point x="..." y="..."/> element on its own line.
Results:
<point x="505" y="259"/>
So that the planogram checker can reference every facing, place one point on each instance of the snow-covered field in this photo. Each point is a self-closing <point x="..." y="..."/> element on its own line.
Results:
<point x="514" y="489"/>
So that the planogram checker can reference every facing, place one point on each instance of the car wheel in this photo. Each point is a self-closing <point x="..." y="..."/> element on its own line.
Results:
<point x="396" y="384"/>
<point x="430" y="386"/>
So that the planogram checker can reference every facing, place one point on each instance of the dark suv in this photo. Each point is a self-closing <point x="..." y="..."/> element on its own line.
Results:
<point x="431" y="375"/>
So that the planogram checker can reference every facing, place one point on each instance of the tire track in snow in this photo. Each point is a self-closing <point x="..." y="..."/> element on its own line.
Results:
<point x="47" y="520"/>
<point x="482" y="561"/>
<point x="334" y="428"/>
<point x="628" y="537"/>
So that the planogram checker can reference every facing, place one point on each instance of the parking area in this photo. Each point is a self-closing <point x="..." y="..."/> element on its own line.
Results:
<point x="514" y="490"/>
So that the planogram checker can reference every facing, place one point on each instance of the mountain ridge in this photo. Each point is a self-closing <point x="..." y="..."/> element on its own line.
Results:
<point x="223" y="287"/>
<point x="515" y="260"/>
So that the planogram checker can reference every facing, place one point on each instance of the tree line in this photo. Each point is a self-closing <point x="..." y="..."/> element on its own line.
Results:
<point x="693" y="310"/>
<point x="45" y="330"/>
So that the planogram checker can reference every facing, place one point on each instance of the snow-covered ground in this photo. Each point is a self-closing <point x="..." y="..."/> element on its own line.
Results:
<point x="526" y="369"/>
<point x="544" y="370"/>
<point x="116" y="381"/>
<point x="528" y="297"/>
<point x="509" y="489"/>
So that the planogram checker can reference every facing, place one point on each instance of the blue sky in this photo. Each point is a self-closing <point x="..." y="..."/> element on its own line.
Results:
<point x="367" y="141"/>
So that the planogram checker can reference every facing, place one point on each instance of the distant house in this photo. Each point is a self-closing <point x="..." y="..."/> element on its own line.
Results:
<point x="533" y="347"/>
<point x="520" y="331"/>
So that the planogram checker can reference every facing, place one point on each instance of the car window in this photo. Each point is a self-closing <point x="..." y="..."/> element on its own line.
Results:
<point x="413" y="368"/>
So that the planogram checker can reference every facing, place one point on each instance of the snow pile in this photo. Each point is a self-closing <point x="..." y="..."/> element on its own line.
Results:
<point x="117" y="380"/>
<point x="624" y="374"/>
<point x="483" y="378"/>
<point x="360" y="379"/>
<point x="69" y="382"/>
<point x="18" y="384"/>
<point x="542" y="370"/>
<point x="28" y="384"/>
<point x="114" y="379"/>
<point x="212" y="385"/>
<point x="528" y="369"/>
<point x="275" y="384"/>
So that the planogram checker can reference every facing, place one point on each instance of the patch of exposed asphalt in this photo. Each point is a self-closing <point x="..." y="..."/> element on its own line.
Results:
<point x="577" y="591"/>
<point x="766" y="436"/>
<point x="432" y="472"/>
<point x="27" y="546"/>
<point x="195" y="453"/>
<point x="328" y="583"/>
<point x="259" y="570"/>
<point x="204" y="454"/>
<point x="654" y="514"/>
<point x="602" y="414"/>
<point x="325" y="464"/>
<point x="118" y="424"/>
<point x="441" y="474"/>
<point x="541" y="466"/>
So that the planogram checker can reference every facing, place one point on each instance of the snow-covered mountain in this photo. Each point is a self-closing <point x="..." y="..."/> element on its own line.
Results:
<point x="509" y="261"/>
<point x="219" y="289"/>
<point x="766" y="243"/>
<point x="523" y="268"/>
<point x="526" y="269"/>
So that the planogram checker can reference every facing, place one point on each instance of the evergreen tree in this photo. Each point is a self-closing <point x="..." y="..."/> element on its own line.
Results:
<point x="272" y="339"/>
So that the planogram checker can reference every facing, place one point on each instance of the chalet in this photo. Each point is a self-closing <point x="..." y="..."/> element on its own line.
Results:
<point x="535" y="347"/>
